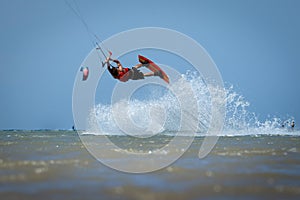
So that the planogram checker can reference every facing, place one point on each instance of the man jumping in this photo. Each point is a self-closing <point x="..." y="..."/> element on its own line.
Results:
<point x="124" y="74"/>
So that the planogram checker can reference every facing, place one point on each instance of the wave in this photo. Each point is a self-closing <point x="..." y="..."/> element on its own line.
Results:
<point x="144" y="116"/>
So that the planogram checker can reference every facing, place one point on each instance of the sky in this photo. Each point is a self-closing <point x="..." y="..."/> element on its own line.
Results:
<point x="255" y="45"/>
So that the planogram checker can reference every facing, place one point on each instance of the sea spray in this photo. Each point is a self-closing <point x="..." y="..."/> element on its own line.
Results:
<point x="238" y="120"/>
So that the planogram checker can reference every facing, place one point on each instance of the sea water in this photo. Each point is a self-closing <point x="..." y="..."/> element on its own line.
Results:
<point x="251" y="160"/>
<point x="56" y="165"/>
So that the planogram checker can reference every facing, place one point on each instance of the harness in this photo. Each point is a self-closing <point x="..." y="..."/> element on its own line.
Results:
<point x="124" y="75"/>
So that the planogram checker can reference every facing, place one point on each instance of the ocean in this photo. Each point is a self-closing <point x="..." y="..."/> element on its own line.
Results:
<point x="54" y="164"/>
<point x="153" y="138"/>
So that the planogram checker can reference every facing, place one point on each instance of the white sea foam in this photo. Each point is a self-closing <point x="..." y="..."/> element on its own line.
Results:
<point x="148" y="113"/>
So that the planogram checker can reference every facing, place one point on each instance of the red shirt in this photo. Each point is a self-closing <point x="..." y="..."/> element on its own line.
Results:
<point x="124" y="75"/>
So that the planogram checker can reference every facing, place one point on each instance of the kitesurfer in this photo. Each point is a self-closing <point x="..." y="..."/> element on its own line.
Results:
<point x="124" y="74"/>
<point x="293" y="125"/>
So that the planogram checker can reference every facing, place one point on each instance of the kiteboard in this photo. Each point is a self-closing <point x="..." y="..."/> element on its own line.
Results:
<point x="153" y="67"/>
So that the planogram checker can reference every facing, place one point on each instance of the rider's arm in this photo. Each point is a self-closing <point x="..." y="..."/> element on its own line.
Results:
<point x="108" y="65"/>
<point x="119" y="64"/>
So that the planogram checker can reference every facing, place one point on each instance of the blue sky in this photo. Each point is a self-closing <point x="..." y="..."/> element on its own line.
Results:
<point x="255" y="45"/>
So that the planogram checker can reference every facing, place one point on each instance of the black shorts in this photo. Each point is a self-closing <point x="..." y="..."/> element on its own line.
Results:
<point x="136" y="74"/>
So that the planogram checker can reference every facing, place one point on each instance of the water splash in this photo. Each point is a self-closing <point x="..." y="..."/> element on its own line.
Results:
<point x="145" y="112"/>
